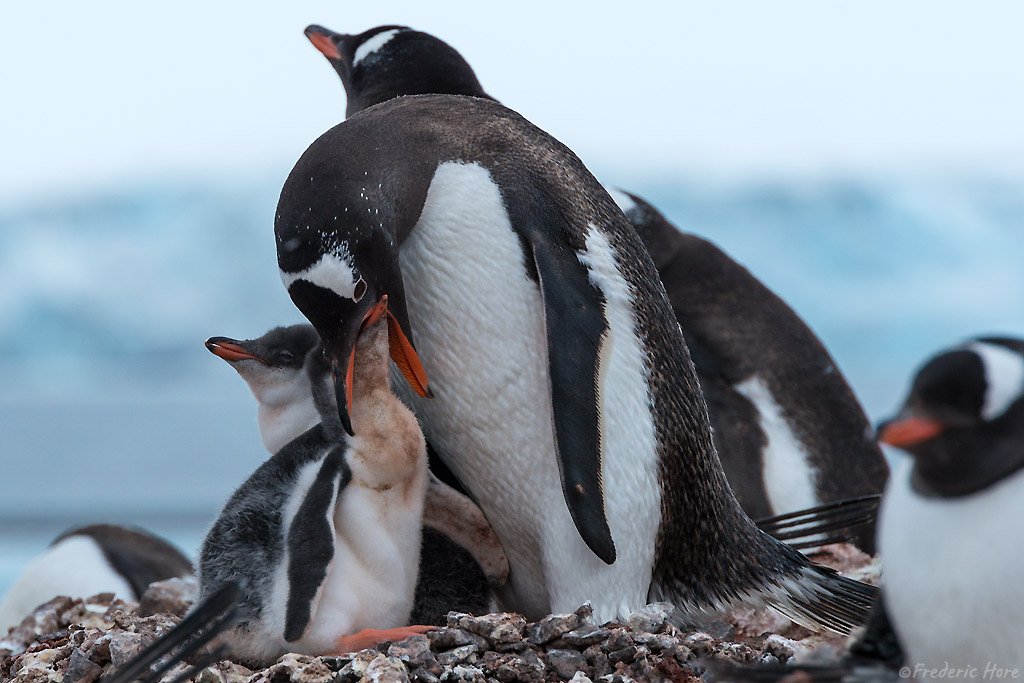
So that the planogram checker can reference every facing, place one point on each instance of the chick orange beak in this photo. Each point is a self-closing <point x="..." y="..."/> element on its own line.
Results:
<point x="399" y="348"/>
<point x="228" y="349"/>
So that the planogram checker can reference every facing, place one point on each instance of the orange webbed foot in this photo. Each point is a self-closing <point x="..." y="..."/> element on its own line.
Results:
<point x="369" y="637"/>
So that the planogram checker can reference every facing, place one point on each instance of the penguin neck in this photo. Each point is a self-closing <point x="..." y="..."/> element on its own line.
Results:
<point x="280" y="423"/>
<point x="371" y="380"/>
<point x="966" y="462"/>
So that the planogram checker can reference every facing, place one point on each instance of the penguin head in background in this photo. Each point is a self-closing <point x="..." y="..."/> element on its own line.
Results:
<point x="963" y="421"/>
<point x="272" y="365"/>
<point x="337" y="284"/>
<point x="388" y="61"/>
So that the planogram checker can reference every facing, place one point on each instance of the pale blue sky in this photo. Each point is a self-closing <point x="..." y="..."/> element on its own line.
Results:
<point x="97" y="94"/>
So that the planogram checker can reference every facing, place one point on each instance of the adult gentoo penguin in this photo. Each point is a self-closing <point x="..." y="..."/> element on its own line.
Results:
<point x="949" y="528"/>
<point x="949" y="531"/>
<point x="563" y="394"/>
<point x="788" y="428"/>
<point x="325" y="535"/>
<point x="461" y="557"/>
<point x="85" y="561"/>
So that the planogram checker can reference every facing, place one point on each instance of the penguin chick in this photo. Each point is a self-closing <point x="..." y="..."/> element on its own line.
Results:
<point x="274" y="367"/>
<point x="325" y="535"/>
<point x="84" y="561"/>
<point x="949" y="530"/>
<point x="281" y="368"/>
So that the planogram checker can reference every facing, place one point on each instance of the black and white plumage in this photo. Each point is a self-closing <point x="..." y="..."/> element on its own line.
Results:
<point x="85" y="561"/>
<point x="391" y="61"/>
<point x="325" y="535"/>
<point x="949" y="529"/>
<point x="461" y="559"/>
<point x="788" y="428"/>
<point x="564" y="398"/>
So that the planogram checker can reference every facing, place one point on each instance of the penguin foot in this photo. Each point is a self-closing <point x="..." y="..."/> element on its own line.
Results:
<point x="369" y="637"/>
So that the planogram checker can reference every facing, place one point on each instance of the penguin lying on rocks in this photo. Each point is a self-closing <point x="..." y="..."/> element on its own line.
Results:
<point x="789" y="431"/>
<point x="324" y="537"/>
<point x="461" y="559"/>
<point x="563" y="396"/>
<point x="85" y="561"/>
<point x="948" y="530"/>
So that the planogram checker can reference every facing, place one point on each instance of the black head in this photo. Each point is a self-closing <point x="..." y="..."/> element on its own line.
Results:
<point x="338" y="256"/>
<point x="390" y="61"/>
<point x="280" y="348"/>
<point x="963" y="421"/>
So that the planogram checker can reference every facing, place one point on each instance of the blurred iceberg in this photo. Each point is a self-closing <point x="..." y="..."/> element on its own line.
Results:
<point x="111" y="409"/>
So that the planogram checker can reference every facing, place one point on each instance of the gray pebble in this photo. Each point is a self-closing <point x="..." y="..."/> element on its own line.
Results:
<point x="565" y="663"/>
<point x="385" y="669"/>
<point x="81" y="669"/>
<point x="585" y="636"/>
<point x="651" y="618"/>
<point x="456" y="656"/>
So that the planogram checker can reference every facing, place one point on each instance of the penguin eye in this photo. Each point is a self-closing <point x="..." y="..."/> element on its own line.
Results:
<point x="285" y="357"/>
<point x="359" y="291"/>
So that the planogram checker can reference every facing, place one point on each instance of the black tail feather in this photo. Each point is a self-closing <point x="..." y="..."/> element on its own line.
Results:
<point x="803" y="529"/>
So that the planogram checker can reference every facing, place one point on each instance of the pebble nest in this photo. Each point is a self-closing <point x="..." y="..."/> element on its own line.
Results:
<point x="79" y="641"/>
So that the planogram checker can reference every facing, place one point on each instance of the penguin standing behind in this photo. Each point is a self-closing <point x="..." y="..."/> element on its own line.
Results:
<point x="325" y="535"/>
<point x="563" y="394"/>
<point x="949" y="527"/>
<point x="787" y="427"/>
<point x="460" y="560"/>
<point x="85" y="561"/>
<point x="779" y="406"/>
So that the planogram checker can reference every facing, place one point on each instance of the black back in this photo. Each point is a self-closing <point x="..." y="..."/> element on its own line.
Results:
<point x="736" y="328"/>
<point x="248" y="540"/>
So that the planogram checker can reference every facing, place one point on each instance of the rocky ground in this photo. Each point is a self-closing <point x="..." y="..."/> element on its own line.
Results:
<point x="78" y="641"/>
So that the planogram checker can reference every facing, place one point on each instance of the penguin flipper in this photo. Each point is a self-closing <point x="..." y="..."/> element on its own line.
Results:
<point x="574" y="325"/>
<point x="311" y="545"/>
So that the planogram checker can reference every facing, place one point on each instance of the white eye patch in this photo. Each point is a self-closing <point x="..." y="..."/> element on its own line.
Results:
<point x="333" y="272"/>
<point x="372" y="45"/>
<point x="1004" y="377"/>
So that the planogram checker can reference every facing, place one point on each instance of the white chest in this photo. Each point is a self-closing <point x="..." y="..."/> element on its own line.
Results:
<point x="479" y="327"/>
<point x="952" y="574"/>
<point x="789" y="477"/>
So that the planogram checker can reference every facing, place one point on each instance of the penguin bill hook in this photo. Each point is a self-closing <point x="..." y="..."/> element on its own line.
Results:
<point x="401" y="351"/>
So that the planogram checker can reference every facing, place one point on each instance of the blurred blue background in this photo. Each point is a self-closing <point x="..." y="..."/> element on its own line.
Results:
<point x="865" y="161"/>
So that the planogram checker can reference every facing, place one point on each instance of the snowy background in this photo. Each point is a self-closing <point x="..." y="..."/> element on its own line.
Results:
<point x="867" y="164"/>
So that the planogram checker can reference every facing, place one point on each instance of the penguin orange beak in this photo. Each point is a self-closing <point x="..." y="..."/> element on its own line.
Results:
<point x="321" y="39"/>
<point x="909" y="431"/>
<point x="229" y="350"/>
<point x="400" y="350"/>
